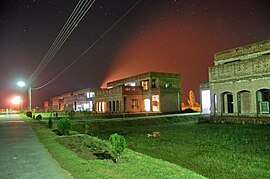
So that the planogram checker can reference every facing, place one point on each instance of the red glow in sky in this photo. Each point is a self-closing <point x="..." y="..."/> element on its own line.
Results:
<point x="184" y="41"/>
<point x="171" y="48"/>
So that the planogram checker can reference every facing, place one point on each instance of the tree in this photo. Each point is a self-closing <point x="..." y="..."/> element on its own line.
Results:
<point x="191" y="98"/>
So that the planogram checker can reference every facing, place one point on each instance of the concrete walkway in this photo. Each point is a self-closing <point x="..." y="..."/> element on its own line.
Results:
<point x="22" y="155"/>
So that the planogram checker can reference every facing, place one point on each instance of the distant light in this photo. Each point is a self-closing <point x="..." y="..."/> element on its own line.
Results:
<point x="16" y="100"/>
<point x="21" y="84"/>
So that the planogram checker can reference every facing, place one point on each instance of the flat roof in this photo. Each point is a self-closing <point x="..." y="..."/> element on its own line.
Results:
<point x="254" y="49"/>
<point x="142" y="76"/>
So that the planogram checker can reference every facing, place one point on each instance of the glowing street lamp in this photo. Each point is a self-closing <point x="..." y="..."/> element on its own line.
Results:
<point x="21" y="84"/>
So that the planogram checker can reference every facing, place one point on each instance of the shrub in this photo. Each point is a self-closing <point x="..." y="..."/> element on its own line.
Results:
<point x="50" y="122"/>
<point x="188" y="110"/>
<point x="118" y="144"/>
<point x="64" y="126"/>
<point x="39" y="117"/>
<point x="28" y="114"/>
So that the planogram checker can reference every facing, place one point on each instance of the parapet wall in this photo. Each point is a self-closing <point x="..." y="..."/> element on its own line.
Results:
<point x="243" y="50"/>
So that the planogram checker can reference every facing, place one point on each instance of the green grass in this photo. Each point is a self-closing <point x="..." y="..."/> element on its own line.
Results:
<point x="136" y="165"/>
<point x="213" y="150"/>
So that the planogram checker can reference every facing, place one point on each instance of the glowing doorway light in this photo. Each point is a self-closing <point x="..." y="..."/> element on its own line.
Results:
<point x="206" y="101"/>
<point x="147" y="106"/>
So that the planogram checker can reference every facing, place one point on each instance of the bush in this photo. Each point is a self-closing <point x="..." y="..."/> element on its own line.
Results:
<point x="28" y="114"/>
<point x="39" y="117"/>
<point x="188" y="110"/>
<point x="118" y="144"/>
<point x="64" y="126"/>
<point x="50" y="122"/>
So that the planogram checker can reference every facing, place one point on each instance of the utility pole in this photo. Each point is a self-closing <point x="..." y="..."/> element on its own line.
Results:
<point x="30" y="98"/>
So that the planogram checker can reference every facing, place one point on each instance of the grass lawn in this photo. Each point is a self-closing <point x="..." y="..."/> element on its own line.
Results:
<point x="135" y="165"/>
<point x="212" y="150"/>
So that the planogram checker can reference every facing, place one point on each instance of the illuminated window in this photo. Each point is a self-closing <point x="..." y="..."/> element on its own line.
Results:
<point x="145" y="84"/>
<point x="130" y="84"/>
<point x="168" y="85"/>
<point x="135" y="103"/>
<point x="147" y="106"/>
<point x="90" y="94"/>
<point x="155" y="103"/>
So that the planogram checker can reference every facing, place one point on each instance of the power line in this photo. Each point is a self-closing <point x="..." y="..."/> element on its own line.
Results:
<point x="78" y="58"/>
<point x="77" y="15"/>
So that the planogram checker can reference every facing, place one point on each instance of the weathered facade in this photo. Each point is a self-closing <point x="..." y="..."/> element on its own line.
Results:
<point x="240" y="81"/>
<point x="148" y="92"/>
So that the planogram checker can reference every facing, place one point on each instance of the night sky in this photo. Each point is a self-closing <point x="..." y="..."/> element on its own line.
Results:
<point x="177" y="36"/>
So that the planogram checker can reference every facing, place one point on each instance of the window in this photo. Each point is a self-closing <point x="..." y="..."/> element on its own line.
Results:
<point x="168" y="85"/>
<point x="90" y="94"/>
<point x="135" y="103"/>
<point x="145" y="84"/>
<point x="154" y="83"/>
<point x="155" y="103"/>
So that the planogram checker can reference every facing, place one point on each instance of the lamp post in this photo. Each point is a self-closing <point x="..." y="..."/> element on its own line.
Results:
<point x="23" y="84"/>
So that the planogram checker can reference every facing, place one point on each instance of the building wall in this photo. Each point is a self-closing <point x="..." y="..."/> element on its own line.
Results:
<point x="238" y="79"/>
<point x="148" y="92"/>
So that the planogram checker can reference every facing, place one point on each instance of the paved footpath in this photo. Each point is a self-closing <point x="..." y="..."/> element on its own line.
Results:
<point x="22" y="156"/>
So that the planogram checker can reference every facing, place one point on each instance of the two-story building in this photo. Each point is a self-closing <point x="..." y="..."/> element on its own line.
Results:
<point x="148" y="92"/>
<point x="239" y="81"/>
<point x="81" y="100"/>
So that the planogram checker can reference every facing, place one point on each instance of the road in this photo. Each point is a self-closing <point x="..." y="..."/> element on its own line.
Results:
<point x="22" y="156"/>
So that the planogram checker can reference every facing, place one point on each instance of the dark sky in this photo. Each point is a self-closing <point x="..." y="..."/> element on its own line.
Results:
<point x="157" y="35"/>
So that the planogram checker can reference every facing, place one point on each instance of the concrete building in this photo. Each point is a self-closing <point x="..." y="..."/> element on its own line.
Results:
<point x="239" y="81"/>
<point x="81" y="100"/>
<point x="148" y="92"/>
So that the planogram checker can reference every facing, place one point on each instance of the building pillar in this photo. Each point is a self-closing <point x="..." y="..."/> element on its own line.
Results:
<point x="235" y="103"/>
<point x="253" y="101"/>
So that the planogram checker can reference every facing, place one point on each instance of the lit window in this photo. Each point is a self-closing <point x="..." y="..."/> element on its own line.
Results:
<point x="168" y="85"/>
<point x="155" y="103"/>
<point x="92" y="94"/>
<point x="145" y="84"/>
<point x="135" y="103"/>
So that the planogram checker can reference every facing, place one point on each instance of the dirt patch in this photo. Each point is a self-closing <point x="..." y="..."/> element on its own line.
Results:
<point x="86" y="147"/>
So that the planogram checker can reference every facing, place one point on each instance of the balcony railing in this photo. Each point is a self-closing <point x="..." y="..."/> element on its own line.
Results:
<point x="240" y="70"/>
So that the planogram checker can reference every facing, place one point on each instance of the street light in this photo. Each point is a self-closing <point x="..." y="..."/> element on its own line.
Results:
<point x="23" y="84"/>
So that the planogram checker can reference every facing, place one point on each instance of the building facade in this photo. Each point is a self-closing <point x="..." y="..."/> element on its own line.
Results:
<point x="148" y="92"/>
<point x="239" y="81"/>
<point x="81" y="100"/>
